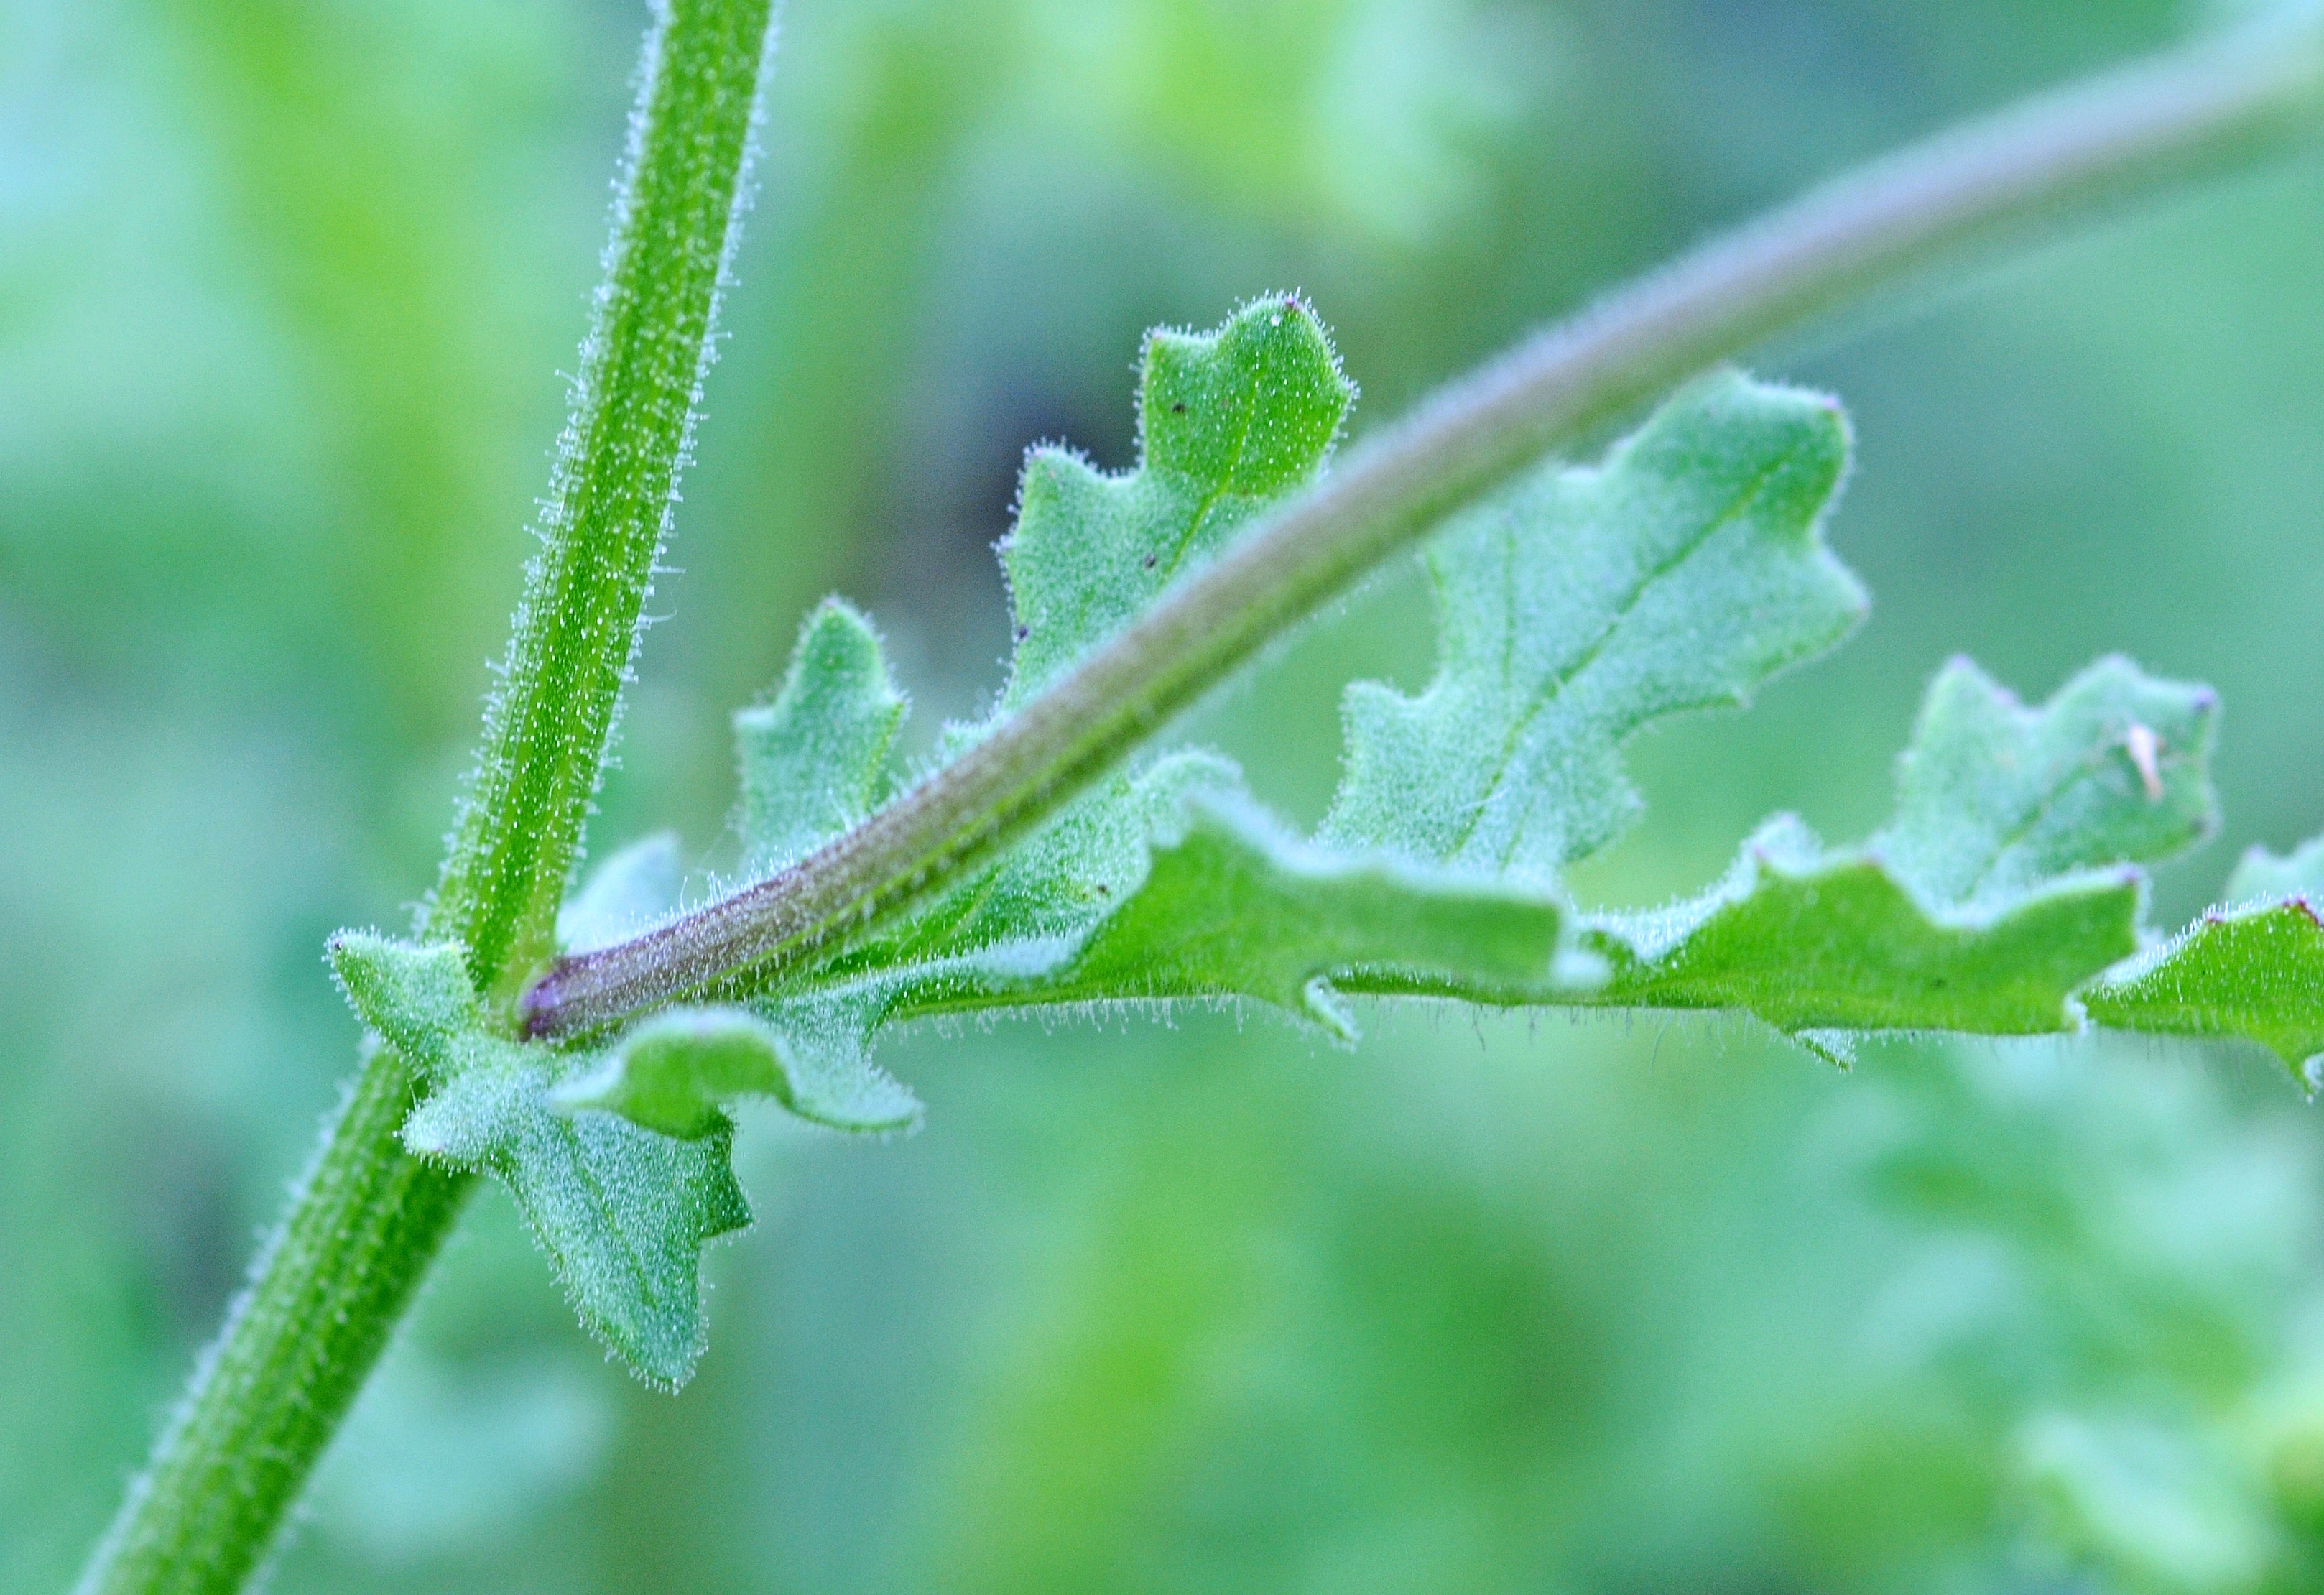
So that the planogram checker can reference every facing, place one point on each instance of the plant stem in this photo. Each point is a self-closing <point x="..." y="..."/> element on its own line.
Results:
<point x="325" y="1294"/>
<point x="2209" y="103"/>
<point x="612" y="489"/>
<point x="369" y="1217"/>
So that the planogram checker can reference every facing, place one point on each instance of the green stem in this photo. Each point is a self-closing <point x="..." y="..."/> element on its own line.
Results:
<point x="2209" y="103"/>
<point x="369" y="1217"/>
<point x="612" y="489"/>
<point x="326" y="1293"/>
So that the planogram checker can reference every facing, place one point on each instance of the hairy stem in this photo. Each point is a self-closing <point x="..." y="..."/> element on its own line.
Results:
<point x="369" y="1217"/>
<point x="612" y="489"/>
<point x="2210" y="104"/>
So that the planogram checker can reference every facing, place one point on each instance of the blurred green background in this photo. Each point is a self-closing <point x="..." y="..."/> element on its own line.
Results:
<point x="1485" y="1305"/>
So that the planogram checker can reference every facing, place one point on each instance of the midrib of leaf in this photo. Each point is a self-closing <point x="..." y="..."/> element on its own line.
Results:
<point x="368" y="1216"/>
<point x="1565" y="676"/>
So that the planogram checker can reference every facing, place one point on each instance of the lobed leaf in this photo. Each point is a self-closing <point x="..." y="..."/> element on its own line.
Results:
<point x="1686" y="569"/>
<point x="1228" y="423"/>
<point x="620" y="1212"/>
<point x="1230" y="907"/>
<point x="1975" y="910"/>
<point x="1814" y="942"/>
<point x="814" y="760"/>
<point x="618" y="1157"/>
<point x="1582" y="603"/>
<point x="1994" y="798"/>
<point x="2254" y="970"/>
<point x="671" y="1072"/>
<point x="1999" y="888"/>
<point x="1577" y="607"/>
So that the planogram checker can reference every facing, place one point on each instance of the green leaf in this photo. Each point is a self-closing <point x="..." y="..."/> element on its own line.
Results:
<point x="1994" y="798"/>
<point x="1228" y="423"/>
<point x="418" y="1000"/>
<point x="2256" y="973"/>
<point x="672" y="1073"/>
<point x="2261" y="874"/>
<point x="1997" y="889"/>
<point x="621" y="1212"/>
<point x="814" y="760"/>
<point x="2002" y="886"/>
<point x="1812" y="941"/>
<point x="1684" y="571"/>
<point x="1230" y="907"/>
<point x="2254" y="970"/>
<point x="1681" y="574"/>
<point x="1582" y="603"/>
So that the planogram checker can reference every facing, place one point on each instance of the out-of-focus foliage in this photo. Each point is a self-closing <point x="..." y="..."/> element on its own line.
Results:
<point x="283" y="288"/>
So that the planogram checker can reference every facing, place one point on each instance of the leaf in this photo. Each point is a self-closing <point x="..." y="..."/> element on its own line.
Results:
<point x="2260" y="874"/>
<point x="1810" y="941"/>
<point x="1228" y="423"/>
<point x="2256" y="973"/>
<point x="813" y="760"/>
<point x="672" y="1073"/>
<point x="1997" y="889"/>
<point x="1993" y="796"/>
<point x="1976" y="909"/>
<point x="1230" y="906"/>
<point x="621" y="1212"/>
<point x="2254" y="970"/>
<point x="1581" y="605"/>
<point x="1683" y="572"/>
